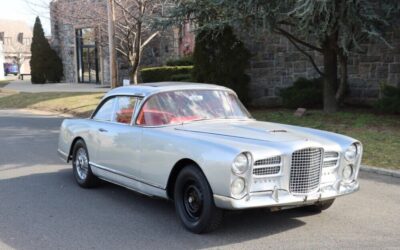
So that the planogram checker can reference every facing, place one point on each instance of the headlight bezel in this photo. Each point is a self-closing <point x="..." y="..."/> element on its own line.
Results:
<point x="241" y="164"/>
<point x="238" y="195"/>
<point x="349" y="177"/>
<point x="352" y="152"/>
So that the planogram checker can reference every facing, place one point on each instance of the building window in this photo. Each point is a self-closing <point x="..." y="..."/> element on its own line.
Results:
<point x="87" y="56"/>
<point x="2" y="37"/>
<point x="7" y="40"/>
<point x="27" y="41"/>
<point x="20" y="38"/>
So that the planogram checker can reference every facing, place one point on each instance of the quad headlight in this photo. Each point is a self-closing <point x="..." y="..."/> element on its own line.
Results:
<point x="352" y="152"/>
<point x="348" y="172"/>
<point x="240" y="164"/>
<point x="238" y="187"/>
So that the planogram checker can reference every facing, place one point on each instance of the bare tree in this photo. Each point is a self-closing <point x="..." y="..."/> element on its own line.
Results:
<point x="134" y="29"/>
<point x="134" y="23"/>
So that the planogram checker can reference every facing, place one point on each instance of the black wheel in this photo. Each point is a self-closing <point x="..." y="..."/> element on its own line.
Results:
<point x="194" y="202"/>
<point x="319" y="206"/>
<point x="80" y="165"/>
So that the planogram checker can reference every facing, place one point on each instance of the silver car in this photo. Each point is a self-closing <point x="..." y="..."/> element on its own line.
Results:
<point x="197" y="145"/>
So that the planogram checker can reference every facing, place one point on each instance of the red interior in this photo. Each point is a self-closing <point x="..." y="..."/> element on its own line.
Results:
<point x="154" y="117"/>
<point x="124" y="116"/>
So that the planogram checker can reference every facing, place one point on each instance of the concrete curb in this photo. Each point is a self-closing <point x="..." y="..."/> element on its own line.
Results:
<point x="381" y="171"/>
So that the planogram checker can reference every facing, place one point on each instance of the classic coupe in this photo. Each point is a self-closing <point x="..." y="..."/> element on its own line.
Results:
<point x="197" y="145"/>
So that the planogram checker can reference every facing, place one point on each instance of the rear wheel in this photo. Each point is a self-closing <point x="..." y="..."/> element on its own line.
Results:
<point x="81" y="167"/>
<point x="194" y="202"/>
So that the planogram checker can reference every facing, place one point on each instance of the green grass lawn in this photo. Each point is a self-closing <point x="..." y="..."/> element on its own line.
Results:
<point x="380" y="134"/>
<point x="79" y="104"/>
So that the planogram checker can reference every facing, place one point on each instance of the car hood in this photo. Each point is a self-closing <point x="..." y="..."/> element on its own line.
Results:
<point x="264" y="131"/>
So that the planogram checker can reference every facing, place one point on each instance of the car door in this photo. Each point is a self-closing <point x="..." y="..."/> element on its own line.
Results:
<point x="118" y="149"/>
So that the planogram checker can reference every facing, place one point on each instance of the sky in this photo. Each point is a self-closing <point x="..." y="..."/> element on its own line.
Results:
<point x="26" y="10"/>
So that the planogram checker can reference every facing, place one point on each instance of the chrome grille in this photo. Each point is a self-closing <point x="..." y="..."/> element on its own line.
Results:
<point x="331" y="159"/>
<point x="267" y="170"/>
<point x="305" y="173"/>
<point x="269" y="161"/>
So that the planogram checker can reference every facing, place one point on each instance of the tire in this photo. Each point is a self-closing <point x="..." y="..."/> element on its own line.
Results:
<point x="194" y="201"/>
<point x="319" y="206"/>
<point x="80" y="166"/>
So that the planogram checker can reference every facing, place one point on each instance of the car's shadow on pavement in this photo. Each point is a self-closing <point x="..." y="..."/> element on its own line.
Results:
<point x="50" y="210"/>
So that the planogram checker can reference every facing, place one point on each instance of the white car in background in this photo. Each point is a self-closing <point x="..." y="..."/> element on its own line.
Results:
<point x="196" y="144"/>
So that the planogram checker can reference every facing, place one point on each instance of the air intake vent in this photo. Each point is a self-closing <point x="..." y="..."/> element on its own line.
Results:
<point x="268" y="166"/>
<point x="268" y="161"/>
<point x="267" y="171"/>
<point x="331" y="159"/>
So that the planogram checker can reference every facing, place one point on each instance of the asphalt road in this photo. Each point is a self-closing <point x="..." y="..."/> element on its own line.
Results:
<point x="41" y="207"/>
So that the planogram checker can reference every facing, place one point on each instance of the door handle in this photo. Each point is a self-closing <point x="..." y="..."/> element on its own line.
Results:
<point x="102" y="130"/>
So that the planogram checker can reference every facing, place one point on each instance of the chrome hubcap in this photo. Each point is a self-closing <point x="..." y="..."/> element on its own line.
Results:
<point x="82" y="163"/>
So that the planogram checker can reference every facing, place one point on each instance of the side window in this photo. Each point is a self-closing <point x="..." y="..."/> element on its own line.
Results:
<point x="124" y="108"/>
<point x="158" y="110"/>
<point x="105" y="112"/>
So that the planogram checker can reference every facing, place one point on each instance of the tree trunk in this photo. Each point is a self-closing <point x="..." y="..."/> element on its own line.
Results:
<point x="112" y="48"/>
<point x="343" y="77"/>
<point x="138" y="54"/>
<point x="134" y="76"/>
<point x="330" y="76"/>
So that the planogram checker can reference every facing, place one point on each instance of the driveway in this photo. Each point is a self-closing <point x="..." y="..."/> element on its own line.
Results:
<point x="42" y="208"/>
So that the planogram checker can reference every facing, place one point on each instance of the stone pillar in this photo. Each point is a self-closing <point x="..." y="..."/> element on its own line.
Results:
<point x="1" y="62"/>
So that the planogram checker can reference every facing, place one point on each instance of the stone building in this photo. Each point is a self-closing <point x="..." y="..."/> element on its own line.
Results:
<point x="16" y="37"/>
<point x="276" y="64"/>
<point x="80" y="36"/>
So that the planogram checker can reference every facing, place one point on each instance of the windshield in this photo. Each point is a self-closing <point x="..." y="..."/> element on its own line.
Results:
<point x="191" y="105"/>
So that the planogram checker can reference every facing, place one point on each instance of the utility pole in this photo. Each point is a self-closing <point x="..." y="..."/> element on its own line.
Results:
<point x="111" y="42"/>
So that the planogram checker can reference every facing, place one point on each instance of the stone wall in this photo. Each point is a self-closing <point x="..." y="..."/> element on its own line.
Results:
<point x="276" y="64"/>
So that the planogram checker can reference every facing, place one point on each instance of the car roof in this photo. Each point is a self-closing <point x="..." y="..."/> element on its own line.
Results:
<point x="146" y="89"/>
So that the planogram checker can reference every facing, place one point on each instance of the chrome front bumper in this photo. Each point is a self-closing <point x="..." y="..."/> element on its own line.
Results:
<point x="282" y="198"/>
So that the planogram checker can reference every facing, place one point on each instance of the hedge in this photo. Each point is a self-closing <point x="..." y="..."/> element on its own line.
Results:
<point x="389" y="103"/>
<point x="166" y="73"/>
<point x="184" y="61"/>
<point x="305" y="93"/>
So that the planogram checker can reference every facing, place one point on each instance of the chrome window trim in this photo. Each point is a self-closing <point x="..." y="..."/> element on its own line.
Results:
<point x="134" y="114"/>
<point x="101" y="104"/>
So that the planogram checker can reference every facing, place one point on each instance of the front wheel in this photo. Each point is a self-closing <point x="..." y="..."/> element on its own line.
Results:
<point x="194" y="202"/>
<point x="320" y="206"/>
<point x="80" y="165"/>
